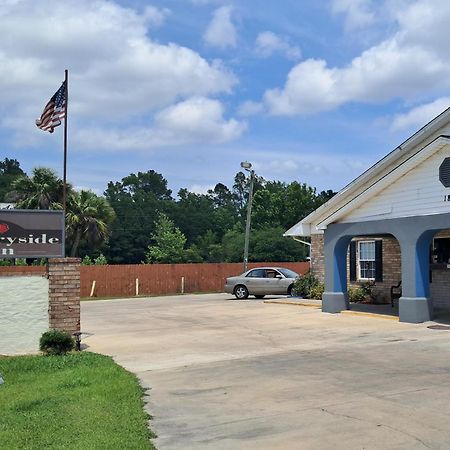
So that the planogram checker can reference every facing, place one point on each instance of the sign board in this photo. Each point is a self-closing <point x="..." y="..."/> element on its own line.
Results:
<point x="31" y="233"/>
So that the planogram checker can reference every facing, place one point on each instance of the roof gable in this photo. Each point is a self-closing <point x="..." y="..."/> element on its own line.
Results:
<point x="368" y="183"/>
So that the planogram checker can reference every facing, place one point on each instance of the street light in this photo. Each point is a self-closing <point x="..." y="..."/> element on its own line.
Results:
<point x="248" y="167"/>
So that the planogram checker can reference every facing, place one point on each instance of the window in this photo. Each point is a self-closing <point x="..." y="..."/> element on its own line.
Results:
<point x="257" y="273"/>
<point x="271" y="273"/>
<point x="441" y="250"/>
<point x="366" y="260"/>
<point x="288" y="273"/>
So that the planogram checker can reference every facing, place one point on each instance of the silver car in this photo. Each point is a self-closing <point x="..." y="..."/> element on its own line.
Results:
<point x="262" y="281"/>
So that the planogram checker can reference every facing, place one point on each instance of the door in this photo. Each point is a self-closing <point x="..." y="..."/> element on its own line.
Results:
<point x="255" y="281"/>
<point x="275" y="282"/>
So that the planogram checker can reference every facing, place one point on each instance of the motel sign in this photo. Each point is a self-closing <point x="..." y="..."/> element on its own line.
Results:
<point x="31" y="233"/>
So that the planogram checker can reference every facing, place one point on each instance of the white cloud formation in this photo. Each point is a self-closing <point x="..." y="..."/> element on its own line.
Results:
<point x="311" y="166"/>
<point x="414" y="62"/>
<point x="195" y="120"/>
<point x="221" y="31"/>
<point x="267" y="43"/>
<point x="420" y="115"/>
<point x="358" y="13"/>
<point x="156" y="16"/>
<point x="117" y="73"/>
<point x="250" y="108"/>
<point x="200" y="188"/>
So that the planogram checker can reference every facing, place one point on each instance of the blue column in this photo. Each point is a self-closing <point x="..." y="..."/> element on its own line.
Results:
<point x="335" y="298"/>
<point x="415" y="305"/>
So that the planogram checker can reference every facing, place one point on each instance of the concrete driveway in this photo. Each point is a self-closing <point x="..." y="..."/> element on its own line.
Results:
<point x="228" y="374"/>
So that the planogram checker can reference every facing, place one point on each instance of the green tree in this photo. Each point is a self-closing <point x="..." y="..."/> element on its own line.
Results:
<point x="136" y="199"/>
<point x="88" y="217"/>
<point x="9" y="171"/>
<point x="168" y="243"/>
<point x="233" y="244"/>
<point x="193" y="214"/>
<point x="43" y="190"/>
<point x="269" y="244"/>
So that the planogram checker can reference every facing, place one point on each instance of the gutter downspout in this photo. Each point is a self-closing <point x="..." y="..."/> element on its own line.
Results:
<point x="304" y="242"/>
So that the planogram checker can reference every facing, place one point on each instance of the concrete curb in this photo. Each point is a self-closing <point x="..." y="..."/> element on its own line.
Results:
<point x="290" y="302"/>
<point x="367" y="314"/>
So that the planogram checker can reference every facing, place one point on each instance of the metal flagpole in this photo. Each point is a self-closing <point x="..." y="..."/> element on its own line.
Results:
<point x="66" y="81"/>
<point x="66" y="95"/>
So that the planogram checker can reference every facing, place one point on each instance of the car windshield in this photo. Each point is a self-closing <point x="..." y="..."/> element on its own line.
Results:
<point x="288" y="273"/>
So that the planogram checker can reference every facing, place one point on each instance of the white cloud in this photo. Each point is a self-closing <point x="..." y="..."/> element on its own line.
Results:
<point x="250" y="108"/>
<point x="267" y="43"/>
<point x="358" y="13"/>
<point x="420" y="115"/>
<point x="200" y="188"/>
<point x="156" y="16"/>
<point x="117" y="72"/>
<point x="221" y="31"/>
<point x="196" y="120"/>
<point x="312" y="167"/>
<point x="414" y="62"/>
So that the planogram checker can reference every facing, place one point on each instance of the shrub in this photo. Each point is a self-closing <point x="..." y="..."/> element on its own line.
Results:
<point x="356" y="294"/>
<point x="303" y="285"/>
<point x="100" y="260"/>
<point x="317" y="291"/>
<point x="86" y="261"/>
<point x="56" y="342"/>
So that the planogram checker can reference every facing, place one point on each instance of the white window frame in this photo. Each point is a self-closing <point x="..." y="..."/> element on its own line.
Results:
<point x="358" y="260"/>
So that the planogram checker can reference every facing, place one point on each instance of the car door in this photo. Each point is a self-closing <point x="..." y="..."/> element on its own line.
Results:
<point x="255" y="281"/>
<point x="275" y="282"/>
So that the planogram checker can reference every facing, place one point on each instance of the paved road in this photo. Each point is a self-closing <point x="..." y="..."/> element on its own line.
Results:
<point x="228" y="374"/>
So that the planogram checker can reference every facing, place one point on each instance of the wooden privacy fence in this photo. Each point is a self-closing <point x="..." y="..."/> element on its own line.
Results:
<point x="157" y="279"/>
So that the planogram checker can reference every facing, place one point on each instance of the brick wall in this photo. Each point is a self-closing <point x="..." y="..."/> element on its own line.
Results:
<point x="317" y="257"/>
<point x="64" y="294"/>
<point x="391" y="264"/>
<point x="392" y="271"/>
<point x="439" y="291"/>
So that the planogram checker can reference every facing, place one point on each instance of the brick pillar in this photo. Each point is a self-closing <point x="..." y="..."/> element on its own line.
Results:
<point x="317" y="256"/>
<point x="64" y="294"/>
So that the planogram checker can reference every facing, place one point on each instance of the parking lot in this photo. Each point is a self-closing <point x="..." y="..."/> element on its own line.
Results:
<point x="229" y="374"/>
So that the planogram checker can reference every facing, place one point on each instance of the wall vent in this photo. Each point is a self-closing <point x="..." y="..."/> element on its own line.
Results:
<point x="444" y="172"/>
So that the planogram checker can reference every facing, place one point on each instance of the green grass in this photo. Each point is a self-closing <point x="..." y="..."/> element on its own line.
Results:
<point x="77" y="401"/>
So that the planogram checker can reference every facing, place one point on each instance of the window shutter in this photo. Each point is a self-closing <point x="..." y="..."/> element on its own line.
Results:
<point x="352" y="261"/>
<point x="379" y="260"/>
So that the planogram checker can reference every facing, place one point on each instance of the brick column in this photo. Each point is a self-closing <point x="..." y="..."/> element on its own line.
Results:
<point x="64" y="294"/>
<point x="317" y="257"/>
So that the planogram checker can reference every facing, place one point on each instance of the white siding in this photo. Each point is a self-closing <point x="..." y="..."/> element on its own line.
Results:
<point x="23" y="313"/>
<point x="419" y="192"/>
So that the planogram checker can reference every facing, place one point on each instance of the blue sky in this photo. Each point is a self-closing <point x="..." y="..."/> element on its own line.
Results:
<point x="313" y="91"/>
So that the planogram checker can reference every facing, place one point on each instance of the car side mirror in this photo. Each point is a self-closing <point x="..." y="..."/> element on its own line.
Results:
<point x="278" y="276"/>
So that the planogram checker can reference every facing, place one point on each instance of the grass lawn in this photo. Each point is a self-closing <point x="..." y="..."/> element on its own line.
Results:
<point x="78" y="401"/>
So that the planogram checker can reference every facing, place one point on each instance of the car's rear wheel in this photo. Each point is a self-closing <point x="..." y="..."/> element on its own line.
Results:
<point x="241" y="292"/>
<point x="259" y="296"/>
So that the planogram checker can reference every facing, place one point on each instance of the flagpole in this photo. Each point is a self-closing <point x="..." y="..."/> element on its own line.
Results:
<point x="66" y="80"/>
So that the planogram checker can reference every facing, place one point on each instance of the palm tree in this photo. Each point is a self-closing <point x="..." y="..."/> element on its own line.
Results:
<point x="43" y="190"/>
<point x="88" y="216"/>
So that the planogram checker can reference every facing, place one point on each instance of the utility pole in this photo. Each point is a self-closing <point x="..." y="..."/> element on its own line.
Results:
<point x="247" y="166"/>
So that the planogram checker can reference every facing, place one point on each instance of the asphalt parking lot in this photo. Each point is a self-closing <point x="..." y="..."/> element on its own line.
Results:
<point x="228" y="374"/>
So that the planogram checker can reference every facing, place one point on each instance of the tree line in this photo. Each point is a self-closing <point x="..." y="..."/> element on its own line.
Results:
<point x="137" y="219"/>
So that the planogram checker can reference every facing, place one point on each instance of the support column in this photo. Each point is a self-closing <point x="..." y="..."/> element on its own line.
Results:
<point x="335" y="297"/>
<point x="415" y="305"/>
<point x="64" y="294"/>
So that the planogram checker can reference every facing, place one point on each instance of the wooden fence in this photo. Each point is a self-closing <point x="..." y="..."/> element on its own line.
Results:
<point x="158" y="279"/>
<point x="153" y="279"/>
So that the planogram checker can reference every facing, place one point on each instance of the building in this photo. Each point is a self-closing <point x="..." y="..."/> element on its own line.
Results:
<point x="390" y="224"/>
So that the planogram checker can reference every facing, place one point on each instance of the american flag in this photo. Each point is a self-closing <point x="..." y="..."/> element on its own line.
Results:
<point x="54" y="110"/>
